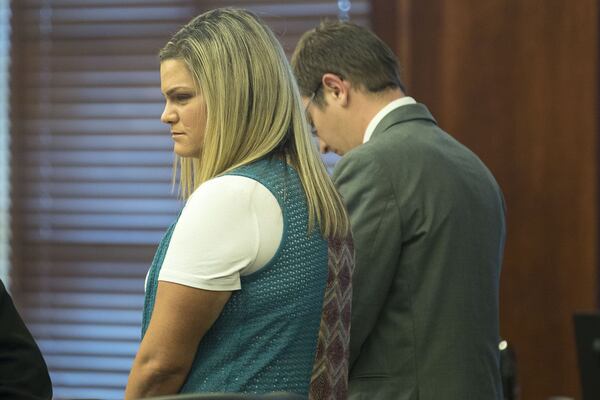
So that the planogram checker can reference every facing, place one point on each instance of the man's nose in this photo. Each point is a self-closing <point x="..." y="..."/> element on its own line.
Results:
<point x="323" y="147"/>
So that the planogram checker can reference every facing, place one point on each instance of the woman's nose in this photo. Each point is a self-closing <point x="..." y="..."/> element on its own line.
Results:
<point x="168" y="116"/>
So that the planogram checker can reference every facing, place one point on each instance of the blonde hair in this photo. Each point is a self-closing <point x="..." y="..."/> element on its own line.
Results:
<point x="253" y="109"/>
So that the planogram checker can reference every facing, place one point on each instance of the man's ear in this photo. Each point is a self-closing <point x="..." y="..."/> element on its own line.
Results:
<point x="335" y="88"/>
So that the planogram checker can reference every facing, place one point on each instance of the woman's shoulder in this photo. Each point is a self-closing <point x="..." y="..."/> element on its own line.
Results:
<point x="230" y="192"/>
<point x="224" y="187"/>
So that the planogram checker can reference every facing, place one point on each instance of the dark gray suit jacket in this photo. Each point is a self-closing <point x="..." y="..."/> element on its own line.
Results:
<point x="428" y="224"/>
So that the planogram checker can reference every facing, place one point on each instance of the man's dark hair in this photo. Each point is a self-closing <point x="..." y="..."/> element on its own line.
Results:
<point x="349" y="51"/>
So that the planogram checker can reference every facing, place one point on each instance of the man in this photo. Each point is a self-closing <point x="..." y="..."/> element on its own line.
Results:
<point x="428" y="224"/>
<point x="23" y="372"/>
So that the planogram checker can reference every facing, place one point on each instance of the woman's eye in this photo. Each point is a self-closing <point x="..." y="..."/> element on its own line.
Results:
<point x="183" y="97"/>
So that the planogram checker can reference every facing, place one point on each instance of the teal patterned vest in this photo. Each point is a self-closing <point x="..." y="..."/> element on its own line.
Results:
<point x="266" y="337"/>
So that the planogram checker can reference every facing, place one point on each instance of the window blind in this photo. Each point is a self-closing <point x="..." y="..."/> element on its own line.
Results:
<point x="4" y="141"/>
<point x="91" y="170"/>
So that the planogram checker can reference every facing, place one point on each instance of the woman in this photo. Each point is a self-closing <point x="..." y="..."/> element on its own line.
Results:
<point x="249" y="290"/>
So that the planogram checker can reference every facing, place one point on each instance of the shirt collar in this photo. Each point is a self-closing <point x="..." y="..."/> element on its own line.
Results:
<point x="391" y="106"/>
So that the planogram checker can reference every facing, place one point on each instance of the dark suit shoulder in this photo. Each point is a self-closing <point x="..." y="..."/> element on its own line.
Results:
<point x="426" y="167"/>
<point x="423" y="150"/>
<point x="23" y="371"/>
<point x="362" y="158"/>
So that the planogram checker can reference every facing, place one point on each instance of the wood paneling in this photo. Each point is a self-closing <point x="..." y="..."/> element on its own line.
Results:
<point x="517" y="82"/>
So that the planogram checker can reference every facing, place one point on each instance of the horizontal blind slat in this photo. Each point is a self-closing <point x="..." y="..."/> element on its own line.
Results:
<point x="92" y="347"/>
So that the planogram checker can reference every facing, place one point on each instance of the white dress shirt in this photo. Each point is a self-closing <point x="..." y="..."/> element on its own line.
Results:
<point x="385" y="111"/>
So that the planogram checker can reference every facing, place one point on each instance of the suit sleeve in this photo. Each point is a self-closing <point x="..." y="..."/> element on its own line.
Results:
<point x="363" y="182"/>
<point x="23" y="372"/>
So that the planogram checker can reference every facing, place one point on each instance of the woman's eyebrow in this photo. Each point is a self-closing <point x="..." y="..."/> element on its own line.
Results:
<point x="176" y="88"/>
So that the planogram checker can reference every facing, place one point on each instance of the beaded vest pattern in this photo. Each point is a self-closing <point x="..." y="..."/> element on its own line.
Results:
<point x="265" y="339"/>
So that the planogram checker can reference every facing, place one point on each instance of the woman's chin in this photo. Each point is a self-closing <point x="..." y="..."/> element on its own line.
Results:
<point x="184" y="151"/>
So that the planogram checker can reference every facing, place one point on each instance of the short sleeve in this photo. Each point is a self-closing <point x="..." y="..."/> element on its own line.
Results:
<point x="216" y="236"/>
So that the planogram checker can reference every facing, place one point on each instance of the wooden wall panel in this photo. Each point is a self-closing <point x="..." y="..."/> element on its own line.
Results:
<point x="517" y="82"/>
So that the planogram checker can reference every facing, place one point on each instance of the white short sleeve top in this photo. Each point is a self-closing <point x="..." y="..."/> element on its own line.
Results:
<point x="229" y="227"/>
